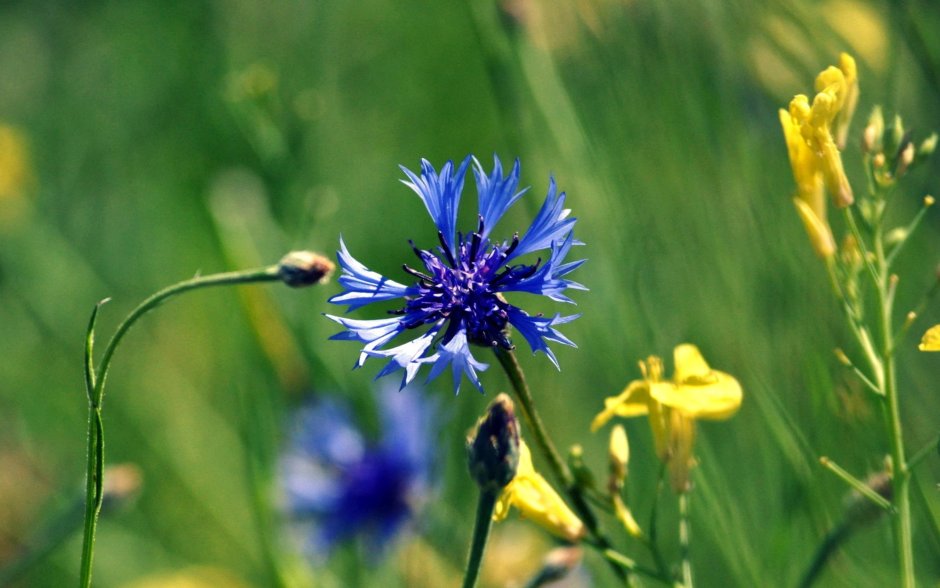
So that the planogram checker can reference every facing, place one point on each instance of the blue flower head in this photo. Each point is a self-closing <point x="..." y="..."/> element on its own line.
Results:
<point x="338" y="486"/>
<point x="458" y="297"/>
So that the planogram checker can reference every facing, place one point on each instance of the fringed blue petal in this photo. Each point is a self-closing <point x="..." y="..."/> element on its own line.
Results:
<point x="539" y="329"/>
<point x="374" y="333"/>
<point x="496" y="193"/>
<point x="440" y="194"/>
<point x="548" y="279"/>
<point x="456" y="353"/>
<point x="552" y="223"/>
<point x="363" y="286"/>
<point x="405" y="357"/>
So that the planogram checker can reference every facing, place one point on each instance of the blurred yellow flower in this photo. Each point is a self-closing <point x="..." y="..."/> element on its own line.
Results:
<point x="192" y="577"/>
<point x="537" y="501"/>
<point x="814" y="134"/>
<point x="14" y="163"/>
<point x="15" y="174"/>
<point x="931" y="339"/>
<point x="695" y="392"/>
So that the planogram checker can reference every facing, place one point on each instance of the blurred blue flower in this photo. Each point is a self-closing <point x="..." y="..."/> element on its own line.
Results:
<point x="459" y="292"/>
<point x="339" y="486"/>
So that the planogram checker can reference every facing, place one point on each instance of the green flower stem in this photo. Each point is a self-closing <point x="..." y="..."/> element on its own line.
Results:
<point x="559" y="469"/>
<point x="481" y="532"/>
<point x="95" y="381"/>
<point x="859" y="486"/>
<point x="685" y="540"/>
<point x="653" y="542"/>
<point x="615" y="557"/>
<point x="900" y="474"/>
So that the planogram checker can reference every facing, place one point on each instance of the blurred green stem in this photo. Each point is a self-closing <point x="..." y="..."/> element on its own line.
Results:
<point x="95" y="381"/>
<point x="685" y="540"/>
<point x="481" y="531"/>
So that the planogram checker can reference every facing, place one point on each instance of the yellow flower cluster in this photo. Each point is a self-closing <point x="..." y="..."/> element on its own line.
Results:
<point x="815" y="133"/>
<point x="695" y="392"/>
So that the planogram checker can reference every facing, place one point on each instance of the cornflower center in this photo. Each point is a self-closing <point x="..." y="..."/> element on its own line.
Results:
<point x="462" y="285"/>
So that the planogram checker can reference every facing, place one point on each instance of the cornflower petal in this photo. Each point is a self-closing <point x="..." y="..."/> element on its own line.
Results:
<point x="405" y="357"/>
<point x="374" y="333"/>
<point x="456" y="353"/>
<point x="496" y="193"/>
<point x="552" y="223"/>
<point x="538" y="329"/>
<point x="363" y="286"/>
<point x="440" y="194"/>
<point x="547" y="280"/>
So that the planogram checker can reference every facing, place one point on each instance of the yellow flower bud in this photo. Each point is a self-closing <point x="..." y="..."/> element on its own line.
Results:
<point x="619" y="454"/>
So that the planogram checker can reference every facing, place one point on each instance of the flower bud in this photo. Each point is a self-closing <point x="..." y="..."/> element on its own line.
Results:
<point x="619" y="454"/>
<point x="493" y="446"/>
<point x="122" y="483"/>
<point x="905" y="159"/>
<point x="582" y="474"/>
<point x="298" y="269"/>
<point x="874" y="130"/>
<point x="558" y="563"/>
<point x="897" y="134"/>
<point x="927" y="146"/>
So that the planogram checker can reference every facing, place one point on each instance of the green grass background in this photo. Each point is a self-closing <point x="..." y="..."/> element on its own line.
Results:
<point x="173" y="138"/>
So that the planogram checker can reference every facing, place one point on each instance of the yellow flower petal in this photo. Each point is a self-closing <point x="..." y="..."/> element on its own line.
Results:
<point x="537" y="501"/>
<point x="805" y="166"/>
<point x="700" y="392"/>
<point x="820" y="234"/>
<point x="690" y="365"/>
<point x="931" y="339"/>
<point x="633" y="401"/>
<point x="847" y="65"/>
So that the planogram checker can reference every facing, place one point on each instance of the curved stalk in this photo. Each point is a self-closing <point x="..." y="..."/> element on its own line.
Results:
<point x="95" y="382"/>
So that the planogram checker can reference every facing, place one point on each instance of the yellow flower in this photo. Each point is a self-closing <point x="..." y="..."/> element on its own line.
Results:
<point x="931" y="339"/>
<point x="15" y="175"/>
<point x="695" y="392"/>
<point x="537" y="500"/>
<point x="814" y="151"/>
<point x="14" y="163"/>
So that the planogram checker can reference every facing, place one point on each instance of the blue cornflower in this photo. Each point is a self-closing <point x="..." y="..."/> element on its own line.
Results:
<point x="458" y="295"/>
<point x="338" y="486"/>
